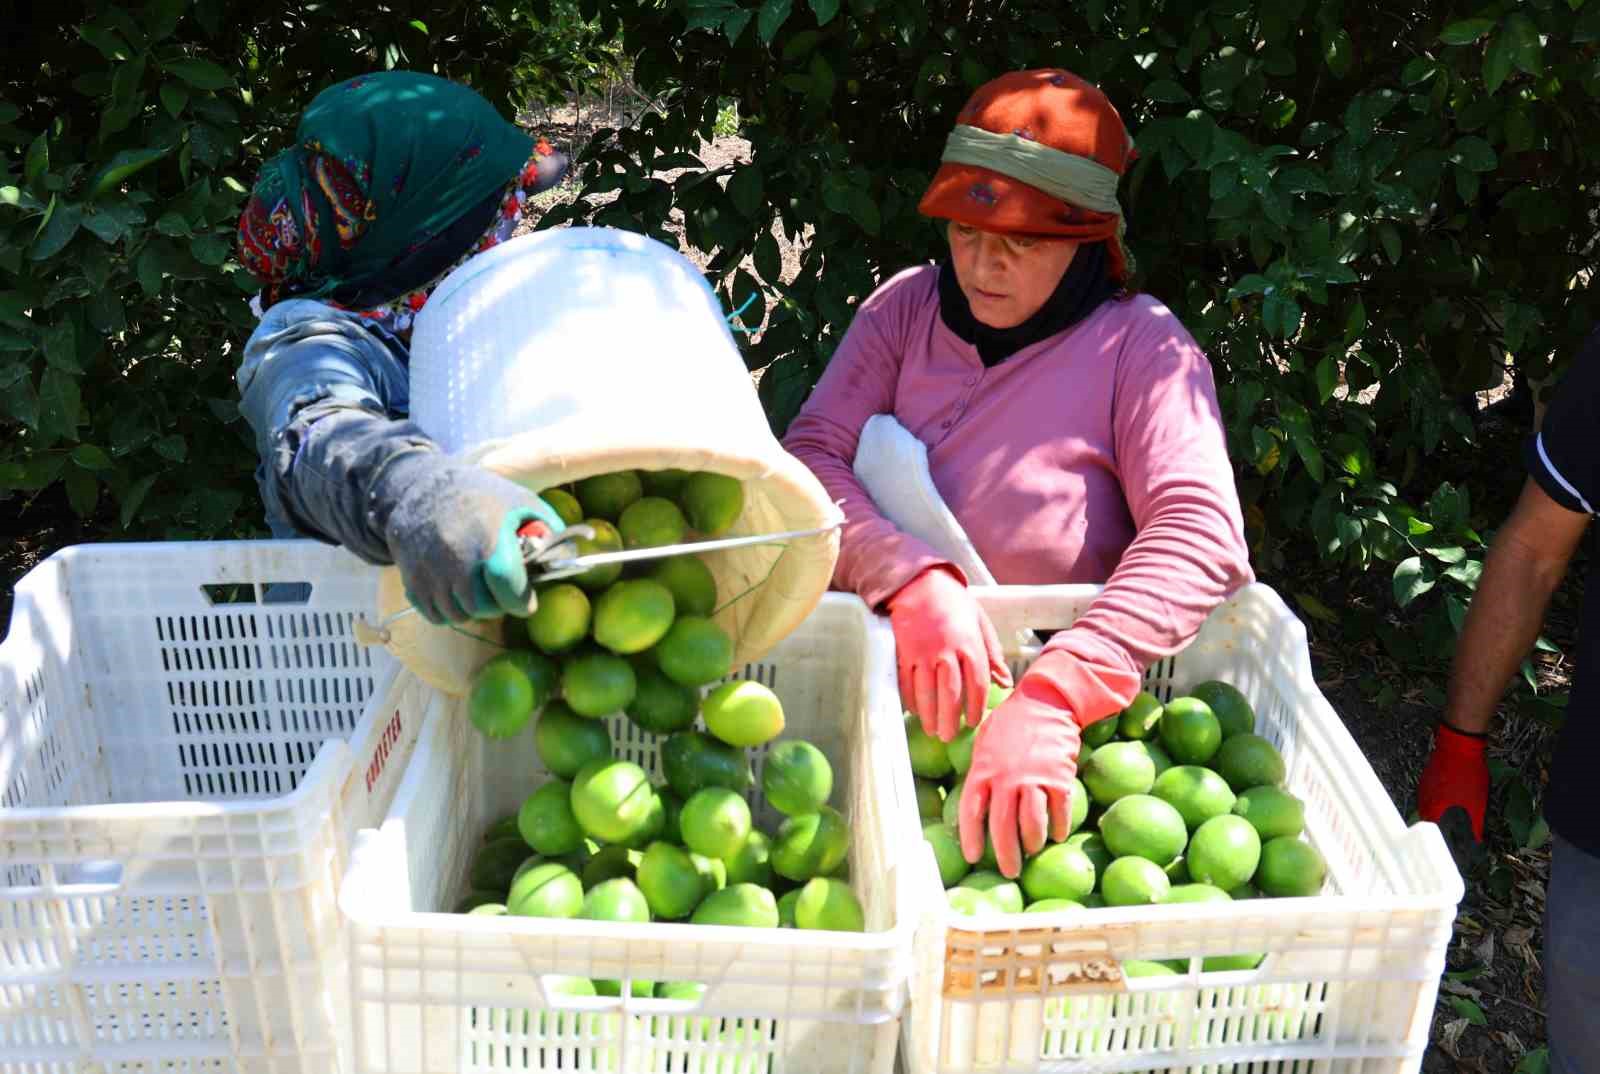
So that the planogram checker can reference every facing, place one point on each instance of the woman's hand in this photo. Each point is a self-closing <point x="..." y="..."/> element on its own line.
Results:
<point x="1023" y="764"/>
<point x="947" y="651"/>
<point x="452" y="530"/>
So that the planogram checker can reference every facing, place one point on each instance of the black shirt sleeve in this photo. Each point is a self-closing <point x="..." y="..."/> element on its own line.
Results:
<point x="1562" y="456"/>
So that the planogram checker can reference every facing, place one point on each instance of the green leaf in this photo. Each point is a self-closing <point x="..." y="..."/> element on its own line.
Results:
<point x="1318" y="133"/>
<point x="1418" y="69"/>
<point x="1538" y="836"/>
<point x="61" y="347"/>
<point x="201" y="74"/>
<point x="735" y="23"/>
<point x="21" y="402"/>
<point x="1467" y="572"/>
<point x="864" y="210"/>
<point x="1527" y="51"/>
<point x="1327" y="378"/>
<point x="127" y="163"/>
<point x="771" y="19"/>
<point x="134" y="498"/>
<point x="419" y="26"/>
<point x="106" y="42"/>
<point x="173" y="448"/>
<point x="825" y="10"/>
<point x="745" y="191"/>
<point x="173" y="97"/>
<point x="1468" y="1010"/>
<point x="37" y="160"/>
<point x="91" y="457"/>
<point x="209" y="249"/>
<point x="173" y="223"/>
<point x="1473" y="154"/>
<point x="1339" y="52"/>
<point x="1466" y="31"/>
<point x="1534" y="1062"/>
<point x="1316" y="609"/>
<point x="160" y="18"/>
<point x="106" y="227"/>
<point x="105" y="312"/>
<point x="1252" y="284"/>
<point x="1412" y="578"/>
<point x="1166" y="91"/>
<point x="58" y="230"/>
<point x="768" y="259"/>
<point x="1452" y="554"/>
<point x="83" y="491"/>
<point x="59" y="404"/>
<point x="1281" y="315"/>
<point x="1497" y="60"/>
<point x="1389" y="235"/>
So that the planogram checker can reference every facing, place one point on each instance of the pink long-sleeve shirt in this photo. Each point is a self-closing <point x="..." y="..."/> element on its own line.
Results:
<point x="1096" y="455"/>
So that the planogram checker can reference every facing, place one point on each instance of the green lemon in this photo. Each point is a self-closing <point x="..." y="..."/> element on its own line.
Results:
<point x="597" y="683"/>
<point x="752" y="862"/>
<point x="786" y="909"/>
<point x="1272" y="811"/>
<point x="1006" y="894"/>
<point x="1134" y="882"/>
<point x="1141" y="718"/>
<point x="613" y="800"/>
<point x="743" y="713"/>
<point x="951" y="814"/>
<point x="545" y="889"/>
<point x="496" y="863"/>
<point x="615" y="900"/>
<point x="671" y="884"/>
<point x="1144" y="826"/>
<point x="609" y="863"/>
<point x="1290" y="868"/>
<point x="796" y="777"/>
<point x="692" y="760"/>
<point x="715" y="822"/>
<point x="1100" y="732"/>
<point x="663" y="482"/>
<point x="608" y="495"/>
<point x="930" y="799"/>
<point x="660" y="706"/>
<point x="546" y="821"/>
<point x="1050" y="906"/>
<point x="1197" y="793"/>
<point x="694" y="588"/>
<point x="606" y="539"/>
<point x="504" y="828"/>
<point x="829" y="904"/>
<point x="1224" y="852"/>
<point x="1196" y="893"/>
<point x="633" y="615"/>
<point x="651" y="522"/>
<point x="930" y="758"/>
<point x="1058" y="871"/>
<point x="695" y="652"/>
<point x="502" y="698"/>
<point x="1117" y="770"/>
<point x="564" y="504"/>
<point x="947" y="854"/>
<point x="1093" y="845"/>
<point x="566" y="741"/>
<point x="562" y="618"/>
<point x="1247" y="761"/>
<point x="960" y="749"/>
<point x="970" y="902"/>
<point x="712" y="502"/>
<point x="1231" y="707"/>
<point x="811" y="844"/>
<point x="745" y="905"/>
<point x="1190" y="731"/>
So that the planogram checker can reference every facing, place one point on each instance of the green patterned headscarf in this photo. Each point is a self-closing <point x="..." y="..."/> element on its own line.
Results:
<point x="381" y="165"/>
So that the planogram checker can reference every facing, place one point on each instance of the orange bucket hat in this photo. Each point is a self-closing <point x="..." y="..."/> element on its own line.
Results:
<point x="1039" y="153"/>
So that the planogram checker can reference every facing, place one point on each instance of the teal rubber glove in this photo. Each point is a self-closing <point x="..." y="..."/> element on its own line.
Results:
<point x="451" y="528"/>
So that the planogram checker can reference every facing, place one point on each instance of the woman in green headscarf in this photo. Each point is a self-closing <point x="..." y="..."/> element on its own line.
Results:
<point x="392" y="181"/>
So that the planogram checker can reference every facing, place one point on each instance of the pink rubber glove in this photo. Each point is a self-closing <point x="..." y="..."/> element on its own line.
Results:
<point x="1026" y="756"/>
<point x="948" y="651"/>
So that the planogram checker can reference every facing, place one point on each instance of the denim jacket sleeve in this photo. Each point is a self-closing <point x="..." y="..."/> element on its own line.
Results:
<point x="327" y="398"/>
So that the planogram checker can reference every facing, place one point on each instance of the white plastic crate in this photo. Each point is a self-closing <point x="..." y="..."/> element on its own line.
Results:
<point x="1350" y="978"/>
<point x="189" y="737"/>
<point x="453" y="994"/>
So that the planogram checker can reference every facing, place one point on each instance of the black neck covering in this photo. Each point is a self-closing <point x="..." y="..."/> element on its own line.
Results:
<point x="1083" y="287"/>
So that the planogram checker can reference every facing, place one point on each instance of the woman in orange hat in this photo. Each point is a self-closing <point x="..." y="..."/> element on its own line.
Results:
<point x="1071" y="428"/>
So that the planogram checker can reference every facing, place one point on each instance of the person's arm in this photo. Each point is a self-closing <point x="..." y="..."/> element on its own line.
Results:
<point x="1188" y="553"/>
<point x="337" y="463"/>
<point x="876" y="558"/>
<point x="1526" y="562"/>
<point x="947" y="651"/>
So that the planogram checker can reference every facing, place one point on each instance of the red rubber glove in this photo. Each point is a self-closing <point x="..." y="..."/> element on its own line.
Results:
<point x="947" y="650"/>
<point x="1026" y="755"/>
<point x="1457" y="775"/>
